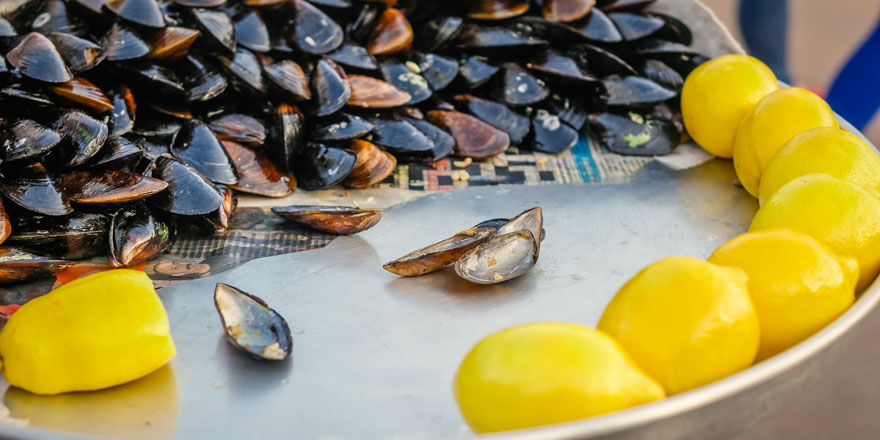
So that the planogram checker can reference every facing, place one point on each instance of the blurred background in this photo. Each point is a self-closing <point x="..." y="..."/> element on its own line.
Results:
<point x="846" y="403"/>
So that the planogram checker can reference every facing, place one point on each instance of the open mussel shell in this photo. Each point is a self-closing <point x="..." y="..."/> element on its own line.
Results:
<point x="501" y="258"/>
<point x="634" y="134"/>
<point x="340" y="220"/>
<point x="73" y="237"/>
<point x="36" y="57"/>
<point x="197" y="145"/>
<point x="473" y="137"/>
<point x="314" y="32"/>
<point x="78" y="53"/>
<point x="392" y="34"/>
<point x="371" y="167"/>
<point x="239" y="128"/>
<point x="188" y="192"/>
<point x="140" y="12"/>
<point x="24" y="139"/>
<point x="257" y="174"/>
<point x="369" y="92"/>
<point x="108" y="186"/>
<point x="18" y="265"/>
<point x="330" y="87"/>
<point x="531" y="220"/>
<point x="34" y="189"/>
<point x="82" y="93"/>
<point x="251" y="326"/>
<point x="137" y="235"/>
<point x="498" y="9"/>
<point x="341" y="127"/>
<point x="441" y="254"/>
<point x="319" y="166"/>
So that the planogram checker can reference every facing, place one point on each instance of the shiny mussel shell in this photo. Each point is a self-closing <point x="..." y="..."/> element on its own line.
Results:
<point x="136" y="235"/>
<point x="24" y="139"/>
<point x="188" y="192"/>
<point x="242" y="129"/>
<point x="440" y="254"/>
<point x="201" y="79"/>
<point x="74" y="237"/>
<point x="257" y="174"/>
<point x="498" y="9"/>
<point x="124" y="110"/>
<point x="567" y="10"/>
<point x="286" y="136"/>
<point x="18" y="265"/>
<point x="122" y="43"/>
<point x="140" y="12"/>
<point x="251" y="326"/>
<point x="341" y="127"/>
<point x="392" y="34"/>
<point x="501" y="258"/>
<point x="34" y="189"/>
<point x="473" y="137"/>
<point x="320" y="166"/>
<point x="372" y="166"/>
<point x="399" y="136"/>
<point x="197" y="145"/>
<point x="340" y="220"/>
<point x="82" y="137"/>
<point x="314" y="32"/>
<point x="443" y="142"/>
<point x="82" y="93"/>
<point x="217" y="29"/>
<point x="172" y="43"/>
<point x="36" y="57"/>
<point x="498" y="115"/>
<point x="404" y="76"/>
<point x="78" y="53"/>
<point x="634" y="134"/>
<point x="369" y="92"/>
<point x="108" y="186"/>
<point x="330" y="88"/>
<point x="290" y="78"/>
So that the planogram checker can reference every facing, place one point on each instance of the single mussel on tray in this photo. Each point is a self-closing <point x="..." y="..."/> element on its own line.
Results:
<point x="491" y="252"/>
<point x="169" y="108"/>
<point x="251" y="325"/>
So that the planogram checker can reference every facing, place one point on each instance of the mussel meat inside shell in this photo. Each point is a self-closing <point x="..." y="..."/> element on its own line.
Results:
<point x="340" y="220"/>
<point x="251" y="326"/>
<point x="441" y="254"/>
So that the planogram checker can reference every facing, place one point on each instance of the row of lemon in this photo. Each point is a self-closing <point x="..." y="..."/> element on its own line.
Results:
<point x="684" y="322"/>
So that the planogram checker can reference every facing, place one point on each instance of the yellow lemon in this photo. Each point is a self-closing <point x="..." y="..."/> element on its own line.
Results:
<point x="774" y="121"/>
<point x="686" y="322"/>
<point x="825" y="150"/>
<point x="542" y="373"/>
<point x="797" y="284"/>
<point x="843" y="215"/>
<point x="96" y="332"/>
<point x="718" y="94"/>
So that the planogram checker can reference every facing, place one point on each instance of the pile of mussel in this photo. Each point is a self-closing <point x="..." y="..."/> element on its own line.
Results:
<point x="125" y="122"/>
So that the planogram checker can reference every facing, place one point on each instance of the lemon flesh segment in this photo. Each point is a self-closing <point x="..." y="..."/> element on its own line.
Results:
<point x="825" y="150"/>
<point x="797" y="284"/>
<point x="542" y="373"/>
<point x="776" y="119"/>
<point x="718" y="94"/>
<point x="844" y="216"/>
<point x="96" y="332"/>
<point x="685" y="322"/>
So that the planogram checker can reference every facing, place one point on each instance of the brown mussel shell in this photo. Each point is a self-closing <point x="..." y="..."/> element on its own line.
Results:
<point x="136" y="235"/>
<point x="108" y="186"/>
<point x="473" y="137"/>
<point x="369" y="92"/>
<point x="238" y="128"/>
<point x="439" y="255"/>
<point x="172" y="43"/>
<point x="340" y="220"/>
<point x="567" y="10"/>
<point x="5" y="224"/>
<point x="498" y="9"/>
<point x="372" y="166"/>
<point x="257" y="174"/>
<point x="392" y="34"/>
<point x="82" y="93"/>
<point x="18" y="265"/>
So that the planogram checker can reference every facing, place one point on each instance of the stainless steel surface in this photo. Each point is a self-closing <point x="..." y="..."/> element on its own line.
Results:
<point x="374" y="354"/>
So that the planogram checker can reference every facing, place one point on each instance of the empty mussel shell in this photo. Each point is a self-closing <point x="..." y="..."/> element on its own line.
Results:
<point x="19" y="265"/>
<point x="108" y="186"/>
<point x="441" y="254"/>
<point x="257" y="174"/>
<point x="531" y="220"/>
<point x="251" y="326"/>
<point x="340" y="220"/>
<point x="137" y="235"/>
<point x="501" y="258"/>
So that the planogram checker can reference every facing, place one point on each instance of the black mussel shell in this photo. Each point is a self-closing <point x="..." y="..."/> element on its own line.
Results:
<point x="34" y="189"/>
<point x="555" y="66"/>
<point x="188" y="192"/>
<point x="392" y="34"/>
<point x="124" y="109"/>
<point x="351" y="54"/>
<point x="634" y="26"/>
<point x="314" y="32"/>
<point x="7" y="30"/>
<point x="201" y="78"/>
<point x="571" y="110"/>
<point x="663" y="50"/>
<point x="498" y="115"/>
<point x="24" y="139"/>
<point x="257" y="174"/>
<point x="495" y="41"/>
<point x="662" y="74"/>
<point x="251" y="326"/>
<point x="517" y="87"/>
<point x="684" y="64"/>
<point x="90" y="187"/>
<point x="246" y="72"/>
<point x="79" y="54"/>
<point x="498" y="9"/>
<point x="566" y="10"/>
<point x="217" y="29"/>
<point x="36" y="57"/>
<point x="666" y="111"/>
<point x="122" y="43"/>
<point x="286" y="136"/>
<point x="319" y="166"/>
<point x="541" y="28"/>
<point x="368" y="16"/>
<point x="251" y="31"/>
<point x="332" y="3"/>
<point x="154" y="148"/>
<point x="438" y="70"/>
<point x="340" y="220"/>
<point x="675" y="30"/>
<point x="82" y="136"/>
<point x="54" y="17"/>
<point x="476" y="71"/>
<point x="635" y="134"/>
<point x="159" y="129"/>
<point x="443" y="142"/>
<point x="154" y="78"/>
<point x="551" y="134"/>
<point x="239" y="128"/>
<point x="635" y="91"/>
<point x="624" y="5"/>
<point x="18" y="265"/>
<point x="341" y="127"/>
<point x="330" y="87"/>
<point x="399" y="136"/>
<point x="118" y="153"/>
<point x="439" y="32"/>
<point x="473" y="137"/>
<point x="289" y="77"/>
<point x="598" y="27"/>
<point x="136" y="235"/>
<point x="25" y="99"/>
<point x="140" y="12"/>
<point x="197" y="145"/>
<point x="600" y="61"/>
